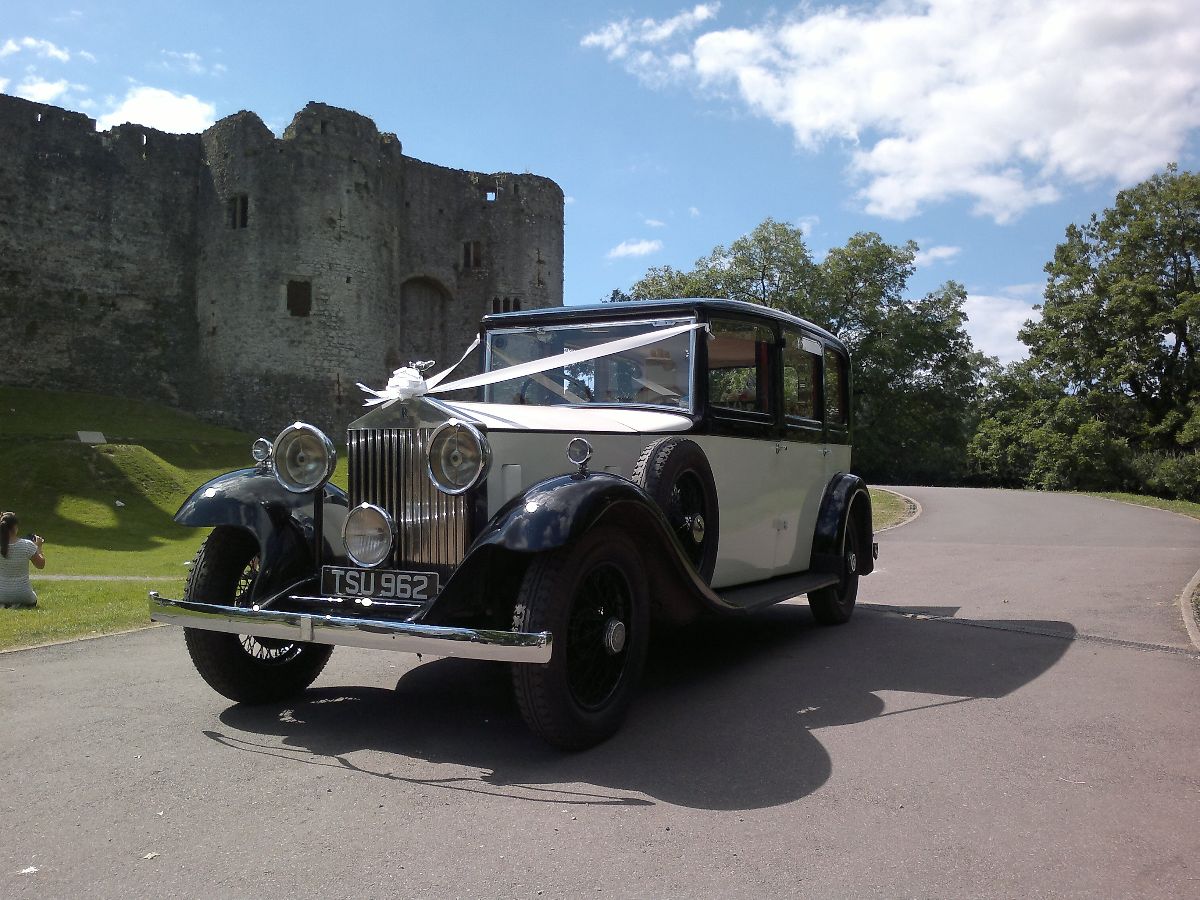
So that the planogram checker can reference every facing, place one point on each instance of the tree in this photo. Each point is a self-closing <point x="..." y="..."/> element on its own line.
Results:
<point x="1111" y="396"/>
<point x="771" y="266"/>
<point x="916" y="373"/>
<point x="1121" y="317"/>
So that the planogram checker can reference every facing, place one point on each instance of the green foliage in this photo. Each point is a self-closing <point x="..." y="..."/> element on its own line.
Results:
<point x="69" y="492"/>
<point x="71" y="609"/>
<point x="916" y="373"/>
<point x="1122" y="310"/>
<point x="59" y="414"/>
<point x="888" y="509"/>
<point x="1110" y="398"/>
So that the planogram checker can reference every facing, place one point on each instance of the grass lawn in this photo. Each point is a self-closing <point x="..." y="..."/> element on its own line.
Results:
<point x="888" y="509"/>
<point x="71" y="609"/>
<point x="1184" y="507"/>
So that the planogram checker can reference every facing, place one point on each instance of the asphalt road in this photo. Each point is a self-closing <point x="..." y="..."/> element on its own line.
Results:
<point x="1011" y="712"/>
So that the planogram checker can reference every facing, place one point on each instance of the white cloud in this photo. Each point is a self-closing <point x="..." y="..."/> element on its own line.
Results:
<point x="3" y="85"/>
<point x="935" y="255"/>
<point x="1003" y="102"/>
<point x="993" y="323"/>
<point x="637" y="43"/>
<point x="806" y="224"/>
<point x="189" y="61"/>
<point x="568" y="200"/>
<point x="655" y="223"/>
<point x="161" y="109"/>
<point x="634" y="248"/>
<point x="620" y="38"/>
<point x="40" y="91"/>
<point x="89" y="57"/>
<point x="37" y="46"/>
<point x="693" y="212"/>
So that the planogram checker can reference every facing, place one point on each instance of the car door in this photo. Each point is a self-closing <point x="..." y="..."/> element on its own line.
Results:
<point x="802" y="451"/>
<point x="836" y="393"/>
<point x="742" y="447"/>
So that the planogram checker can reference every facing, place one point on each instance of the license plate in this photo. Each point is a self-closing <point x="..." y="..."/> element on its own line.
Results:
<point x="379" y="584"/>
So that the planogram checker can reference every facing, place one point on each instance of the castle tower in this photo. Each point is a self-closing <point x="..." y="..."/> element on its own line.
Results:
<point x="250" y="278"/>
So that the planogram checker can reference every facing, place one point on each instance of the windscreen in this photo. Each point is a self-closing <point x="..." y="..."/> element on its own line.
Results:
<point x="657" y="374"/>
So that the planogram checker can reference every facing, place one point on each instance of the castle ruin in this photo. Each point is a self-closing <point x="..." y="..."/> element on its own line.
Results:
<point x="251" y="279"/>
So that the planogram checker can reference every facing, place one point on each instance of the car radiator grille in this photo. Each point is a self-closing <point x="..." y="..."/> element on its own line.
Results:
<point x="388" y="468"/>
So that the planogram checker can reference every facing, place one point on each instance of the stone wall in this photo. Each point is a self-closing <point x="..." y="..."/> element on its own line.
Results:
<point x="250" y="278"/>
<point x="97" y="267"/>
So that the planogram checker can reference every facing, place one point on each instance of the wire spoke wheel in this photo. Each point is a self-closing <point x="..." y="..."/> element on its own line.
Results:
<point x="264" y="650"/>
<point x="597" y="636"/>
<point x="593" y="599"/>
<point x="241" y="667"/>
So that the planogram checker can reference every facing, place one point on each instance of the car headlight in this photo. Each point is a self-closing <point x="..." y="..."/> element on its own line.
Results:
<point x="303" y="457"/>
<point x="368" y="533"/>
<point x="458" y="457"/>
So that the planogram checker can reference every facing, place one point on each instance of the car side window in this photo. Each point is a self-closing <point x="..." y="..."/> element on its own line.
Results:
<point x="801" y="376"/>
<point x="836" y="406"/>
<point x="739" y="366"/>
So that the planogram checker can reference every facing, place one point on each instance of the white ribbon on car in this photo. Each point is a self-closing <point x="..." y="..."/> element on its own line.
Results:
<point x="408" y="382"/>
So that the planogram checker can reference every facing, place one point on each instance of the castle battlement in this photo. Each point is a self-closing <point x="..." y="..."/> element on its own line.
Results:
<point x="247" y="277"/>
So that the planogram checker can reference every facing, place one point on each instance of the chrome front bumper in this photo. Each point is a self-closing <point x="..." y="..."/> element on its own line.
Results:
<point x="342" y="631"/>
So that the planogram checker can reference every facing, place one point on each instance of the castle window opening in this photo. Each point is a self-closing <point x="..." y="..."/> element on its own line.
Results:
<point x="472" y="254"/>
<point x="495" y="304"/>
<point x="238" y="210"/>
<point x="299" y="297"/>
<point x="39" y="118"/>
<point x="516" y="304"/>
<point x="490" y="196"/>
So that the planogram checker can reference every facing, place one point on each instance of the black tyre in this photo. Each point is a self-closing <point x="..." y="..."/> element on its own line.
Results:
<point x="675" y="472"/>
<point x="243" y="668"/>
<point x="835" y="604"/>
<point x="592" y="598"/>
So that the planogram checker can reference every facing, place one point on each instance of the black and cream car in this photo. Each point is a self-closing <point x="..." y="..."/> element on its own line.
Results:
<point x="617" y="468"/>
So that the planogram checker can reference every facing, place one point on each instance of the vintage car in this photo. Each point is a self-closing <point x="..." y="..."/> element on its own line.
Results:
<point x="616" y="468"/>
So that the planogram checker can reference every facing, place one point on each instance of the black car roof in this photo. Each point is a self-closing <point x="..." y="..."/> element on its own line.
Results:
<point x="642" y="308"/>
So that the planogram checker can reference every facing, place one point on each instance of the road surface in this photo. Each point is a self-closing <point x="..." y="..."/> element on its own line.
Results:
<point x="1011" y="712"/>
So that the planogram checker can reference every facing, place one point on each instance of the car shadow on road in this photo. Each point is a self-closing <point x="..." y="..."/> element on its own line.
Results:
<point x="729" y="715"/>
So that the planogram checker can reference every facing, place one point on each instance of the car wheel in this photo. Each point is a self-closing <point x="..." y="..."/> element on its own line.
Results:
<point x="676" y="474"/>
<point x="592" y="597"/>
<point x="834" y="605"/>
<point x="243" y="668"/>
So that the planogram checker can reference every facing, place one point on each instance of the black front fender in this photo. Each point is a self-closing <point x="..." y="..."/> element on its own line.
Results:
<point x="555" y="513"/>
<point x="284" y="523"/>
<point x="846" y="504"/>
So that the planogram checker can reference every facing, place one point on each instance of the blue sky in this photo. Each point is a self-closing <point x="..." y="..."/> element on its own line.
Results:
<point x="978" y="128"/>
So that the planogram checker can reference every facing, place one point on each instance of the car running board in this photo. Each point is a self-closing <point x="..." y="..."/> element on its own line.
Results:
<point x="749" y="597"/>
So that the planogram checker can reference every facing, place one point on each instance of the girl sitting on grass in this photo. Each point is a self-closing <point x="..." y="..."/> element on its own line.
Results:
<point x="16" y="553"/>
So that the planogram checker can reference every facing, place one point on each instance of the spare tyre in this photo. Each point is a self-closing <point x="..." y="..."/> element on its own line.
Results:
<point x="675" y="473"/>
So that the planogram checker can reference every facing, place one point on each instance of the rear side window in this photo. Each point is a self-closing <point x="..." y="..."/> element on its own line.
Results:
<point x="837" y="406"/>
<point x="738" y="366"/>
<point x="801" y="376"/>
